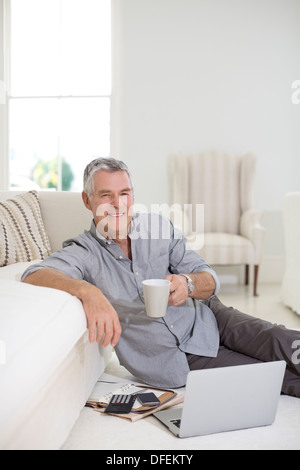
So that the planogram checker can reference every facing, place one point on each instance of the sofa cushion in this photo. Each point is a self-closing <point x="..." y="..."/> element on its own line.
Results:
<point x="22" y="234"/>
<point x="226" y="248"/>
<point x="14" y="272"/>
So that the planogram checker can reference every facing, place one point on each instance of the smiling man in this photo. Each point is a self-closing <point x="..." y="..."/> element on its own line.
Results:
<point x="110" y="199"/>
<point x="105" y="267"/>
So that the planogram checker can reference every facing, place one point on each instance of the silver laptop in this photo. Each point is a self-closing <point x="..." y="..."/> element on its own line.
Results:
<point x="227" y="399"/>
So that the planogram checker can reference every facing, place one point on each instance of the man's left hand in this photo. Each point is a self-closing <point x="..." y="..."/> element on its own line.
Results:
<point x="178" y="290"/>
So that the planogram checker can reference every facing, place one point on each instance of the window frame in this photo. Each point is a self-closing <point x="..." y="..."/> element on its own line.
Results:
<point x="5" y="51"/>
<point x="4" y="108"/>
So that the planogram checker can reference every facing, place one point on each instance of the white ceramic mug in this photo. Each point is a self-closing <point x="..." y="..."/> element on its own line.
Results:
<point x="156" y="296"/>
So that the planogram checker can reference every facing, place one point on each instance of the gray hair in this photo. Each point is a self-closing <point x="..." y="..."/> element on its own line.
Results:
<point x="102" y="163"/>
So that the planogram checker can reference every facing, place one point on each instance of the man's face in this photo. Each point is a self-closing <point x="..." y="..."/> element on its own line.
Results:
<point x="111" y="203"/>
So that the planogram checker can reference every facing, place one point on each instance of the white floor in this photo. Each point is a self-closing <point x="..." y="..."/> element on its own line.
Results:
<point x="95" y="431"/>
<point x="266" y="305"/>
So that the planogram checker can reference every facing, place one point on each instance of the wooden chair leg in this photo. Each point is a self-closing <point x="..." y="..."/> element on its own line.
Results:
<point x="246" y="274"/>
<point x="255" y="280"/>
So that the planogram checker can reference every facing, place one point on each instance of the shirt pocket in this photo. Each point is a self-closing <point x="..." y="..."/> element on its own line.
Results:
<point x="158" y="264"/>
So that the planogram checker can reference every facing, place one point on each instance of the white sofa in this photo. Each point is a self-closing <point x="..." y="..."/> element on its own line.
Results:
<point x="47" y="365"/>
<point x="291" y="280"/>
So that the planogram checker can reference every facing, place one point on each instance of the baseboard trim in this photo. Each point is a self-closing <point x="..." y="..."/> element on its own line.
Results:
<point x="272" y="269"/>
<point x="270" y="272"/>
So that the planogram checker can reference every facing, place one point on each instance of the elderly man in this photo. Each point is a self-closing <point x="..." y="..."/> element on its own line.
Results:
<point x="105" y="266"/>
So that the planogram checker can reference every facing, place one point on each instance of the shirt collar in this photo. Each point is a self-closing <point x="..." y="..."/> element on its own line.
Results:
<point x="104" y="241"/>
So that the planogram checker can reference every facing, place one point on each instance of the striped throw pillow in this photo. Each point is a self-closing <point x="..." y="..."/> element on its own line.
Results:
<point x="22" y="233"/>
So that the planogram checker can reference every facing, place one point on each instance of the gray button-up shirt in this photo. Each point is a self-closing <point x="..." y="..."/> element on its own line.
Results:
<point x="151" y="349"/>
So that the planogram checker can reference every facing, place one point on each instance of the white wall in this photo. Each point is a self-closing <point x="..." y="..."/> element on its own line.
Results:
<point x="3" y="110"/>
<point x="195" y="75"/>
<point x="1" y="40"/>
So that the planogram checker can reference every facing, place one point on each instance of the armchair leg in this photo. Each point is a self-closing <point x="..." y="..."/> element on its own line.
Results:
<point x="255" y="280"/>
<point x="246" y="274"/>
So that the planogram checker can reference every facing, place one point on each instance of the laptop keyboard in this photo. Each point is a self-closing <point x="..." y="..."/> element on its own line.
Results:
<point x="176" y="422"/>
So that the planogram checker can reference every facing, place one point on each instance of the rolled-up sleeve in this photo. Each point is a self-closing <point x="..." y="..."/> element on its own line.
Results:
<point x="185" y="260"/>
<point x="69" y="260"/>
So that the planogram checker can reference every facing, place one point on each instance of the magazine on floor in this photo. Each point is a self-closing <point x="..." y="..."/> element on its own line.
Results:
<point x="110" y="389"/>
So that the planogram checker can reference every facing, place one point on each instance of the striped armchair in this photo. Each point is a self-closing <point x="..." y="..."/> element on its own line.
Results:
<point x="215" y="193"/>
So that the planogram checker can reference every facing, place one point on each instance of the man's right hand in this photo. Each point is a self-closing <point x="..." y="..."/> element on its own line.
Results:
<point x="102" y="319"/>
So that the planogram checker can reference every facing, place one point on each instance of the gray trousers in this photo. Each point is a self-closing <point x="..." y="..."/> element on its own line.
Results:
<point x="246" y="340"/>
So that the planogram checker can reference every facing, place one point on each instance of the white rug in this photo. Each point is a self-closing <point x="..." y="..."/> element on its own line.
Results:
<point x="96" y="431"/>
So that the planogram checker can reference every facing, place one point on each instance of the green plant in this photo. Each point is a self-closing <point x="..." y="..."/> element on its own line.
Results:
<point x="45" y="174"/>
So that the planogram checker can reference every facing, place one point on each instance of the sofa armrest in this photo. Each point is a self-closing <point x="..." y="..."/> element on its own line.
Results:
<point x="291" y="225"/>
<point x="251" y="228"/>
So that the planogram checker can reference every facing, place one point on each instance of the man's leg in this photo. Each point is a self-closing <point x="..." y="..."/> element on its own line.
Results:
<point x="259" y="339"/>
<point x="226" y="357"/>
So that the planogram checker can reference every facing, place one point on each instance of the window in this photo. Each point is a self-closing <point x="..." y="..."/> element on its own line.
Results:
<point x="60" y="90"/>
